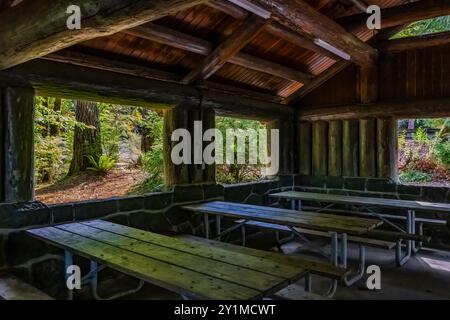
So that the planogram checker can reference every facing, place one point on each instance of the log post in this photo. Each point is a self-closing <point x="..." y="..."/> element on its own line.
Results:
<point x="304" y="156"/>
<point x="319" y="148"/>
<point x="386" y="148"/>
<point x="367" y="146"/>
<point x="176" y="118"/>
<point x="368" y="84"/>
<point x="350" y="148"/>
<point x="18" y="144"/>
<point x="286" y="143"/>
<point x="335" y="148"/>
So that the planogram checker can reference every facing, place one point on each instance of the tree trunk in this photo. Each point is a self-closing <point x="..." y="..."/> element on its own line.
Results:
<point x="147" y="138"/>
<point x="86" y="141"/>
<point x="54" y="129"/>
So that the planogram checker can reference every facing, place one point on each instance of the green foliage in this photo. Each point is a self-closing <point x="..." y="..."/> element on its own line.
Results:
<point x="433" y="25"/>
<point x="442" y="152"/>
<point x="102" y="164"/>
<point x="412" y="176"/>
<point x="236" y="173"/>
<point x="422" y="135"/>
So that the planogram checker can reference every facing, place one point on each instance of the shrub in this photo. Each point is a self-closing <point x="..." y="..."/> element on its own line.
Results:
<point x="442" y="152"/>
<point x="103" y="165"/>
<point x="410" y="176"/>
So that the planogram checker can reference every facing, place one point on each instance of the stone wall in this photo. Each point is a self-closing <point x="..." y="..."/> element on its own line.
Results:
<point x="42" y="265"/>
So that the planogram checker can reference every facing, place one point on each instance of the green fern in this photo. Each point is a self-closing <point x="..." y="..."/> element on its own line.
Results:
<point x="103" y="165"/>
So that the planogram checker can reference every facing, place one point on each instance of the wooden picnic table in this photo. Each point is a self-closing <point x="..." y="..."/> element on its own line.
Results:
<point x="285" y="217"/>
<point x="193" y="270"/>
<point x="364" y="201"/>
<point x="365" y="205"/>
<point x="337" y="225"/>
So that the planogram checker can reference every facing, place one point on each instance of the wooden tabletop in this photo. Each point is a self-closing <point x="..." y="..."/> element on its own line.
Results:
<point x="369" y="201"/>
<point x="292" y="218"/>
<point x="199" y="270"/>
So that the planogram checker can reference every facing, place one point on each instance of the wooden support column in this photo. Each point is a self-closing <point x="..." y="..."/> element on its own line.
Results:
<point x="335" y="148"/>
<point x="367" y="147"/>
<point x="386" y="148"/>
<point x="176" y="118"/>
<point x="286" y="144"/>
<point x="350" y="148"/>
<point x="199" y="173"/>
<point x="18" y="144"/>
<point x="185" y="118"/>
<point x="319" y="148"/>
<point x="368" y="84"/>
<point x="304" y="157"/>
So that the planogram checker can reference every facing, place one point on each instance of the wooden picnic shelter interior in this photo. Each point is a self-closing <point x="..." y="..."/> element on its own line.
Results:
<point x="310" y="68"/>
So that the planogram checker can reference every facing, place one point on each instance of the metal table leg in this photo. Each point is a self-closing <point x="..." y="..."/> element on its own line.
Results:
<point x="400" y="257"/>
<point x="68" y="261"/>
<point x="218" y="228"/>
<point x="334" y="262"/>
<point x="349" y="280"/>
<point x="206" y="222"/>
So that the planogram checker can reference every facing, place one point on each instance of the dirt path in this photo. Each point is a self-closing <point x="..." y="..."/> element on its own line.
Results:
<point x="89" y="186"/>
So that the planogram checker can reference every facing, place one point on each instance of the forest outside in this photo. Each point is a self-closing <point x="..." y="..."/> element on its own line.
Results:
<point x="424" y="151"/>
<point x="87" y="150"/>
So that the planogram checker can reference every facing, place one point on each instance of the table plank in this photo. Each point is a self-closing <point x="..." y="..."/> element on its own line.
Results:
<point x="253" y="279"/>
<point x="369" y="201"/>
<point x="325" y="222"/>
<point x="261" y="264"/>
<point x="165" y="275"/>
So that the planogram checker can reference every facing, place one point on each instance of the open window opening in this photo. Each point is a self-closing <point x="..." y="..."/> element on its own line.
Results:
<point x="424" y="27"/>
<point x="89" y="150"/>
<point x="424" y="151"/>
<point x="235" y="172"/>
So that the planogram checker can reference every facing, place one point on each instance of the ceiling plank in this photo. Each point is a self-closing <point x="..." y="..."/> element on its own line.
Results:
<point x="229" y="8"/>
<point x="227" y="49"/>
<point x="414" y="43"/>
<point x="298" y="15"/>
<point x="317" y="81"/>
<point x="26" y="35"/>
<point x="399" y="15"/>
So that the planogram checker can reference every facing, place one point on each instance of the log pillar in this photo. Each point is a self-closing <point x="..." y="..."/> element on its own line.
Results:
<point x="304" y="157"/>
<point x="335" y="148"/>
<point x="184" y="118"/>
<point x="17" y="108"/>
<point x="286" y="144"/>
<point x="368" y="84"/>
<point x="387" y="148"/>
<point x="367" y="147"/>
<point x="350" y="148"/>
<point x="320" y="148"/>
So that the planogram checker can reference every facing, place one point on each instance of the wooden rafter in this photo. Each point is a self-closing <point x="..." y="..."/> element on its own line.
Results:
<point x="189" y="43"/>
<point x="399" y="15"/>
<point x="300" y="39"/>
<point x="413" y="43"/>
<point x="298" y="15"/>
<point x="227" y="49"/>
<point x="25" y="35"/>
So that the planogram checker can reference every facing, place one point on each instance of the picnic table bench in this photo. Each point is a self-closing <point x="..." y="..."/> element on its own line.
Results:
<point x="193" y="270"/>
<point x="338" y="227"/>
<point x="364" y="205"/>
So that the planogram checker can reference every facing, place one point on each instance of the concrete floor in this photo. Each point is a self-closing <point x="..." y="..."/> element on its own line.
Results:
<point x="425" y="276"/>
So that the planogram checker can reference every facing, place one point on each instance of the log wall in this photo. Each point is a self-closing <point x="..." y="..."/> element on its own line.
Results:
<point x="348" y="148"/>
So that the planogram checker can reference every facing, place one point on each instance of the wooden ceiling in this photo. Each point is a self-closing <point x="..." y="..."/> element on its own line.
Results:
<point x="220" y="45"/>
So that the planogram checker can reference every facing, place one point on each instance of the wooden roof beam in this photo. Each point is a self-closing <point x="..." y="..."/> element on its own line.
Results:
<point x="300" y="16"/>
<point x="399" y="15"/>
<point x="189" y="43"/>
<point x="226" y="50"/>
<point x="36" y="28"/>
<point x="299" y="39"/>
<point x="414" y="43"/>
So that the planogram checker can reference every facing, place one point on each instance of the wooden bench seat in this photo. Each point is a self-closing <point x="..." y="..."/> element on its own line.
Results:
<point x="355" y="239"/>
<point x="315" y="267"/>
<point x="12" y="288"/>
